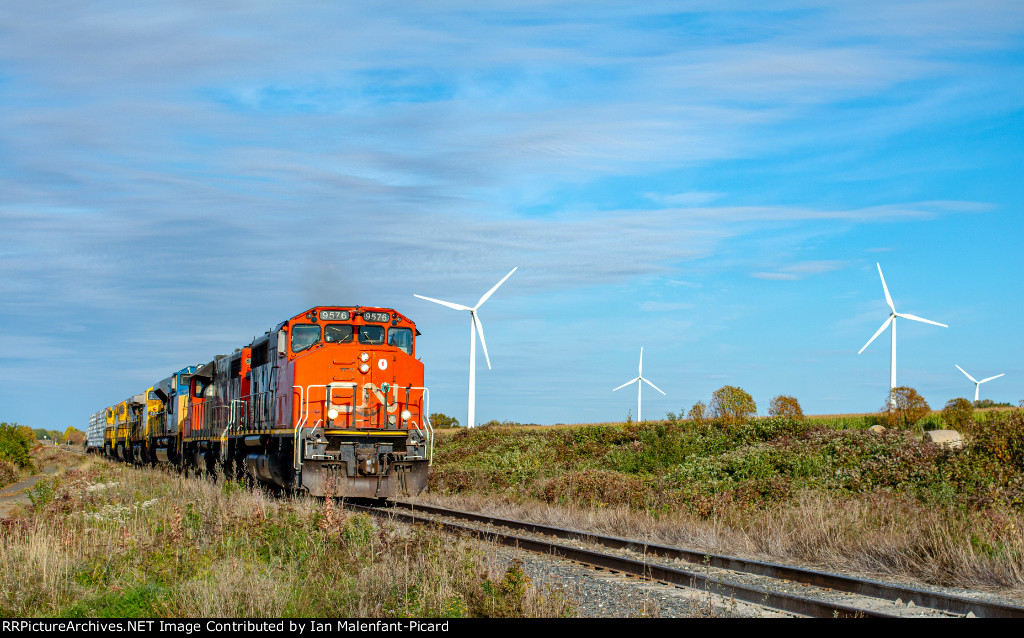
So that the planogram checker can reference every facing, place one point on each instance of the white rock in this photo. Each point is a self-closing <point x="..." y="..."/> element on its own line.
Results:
<point x="949" y="438"/>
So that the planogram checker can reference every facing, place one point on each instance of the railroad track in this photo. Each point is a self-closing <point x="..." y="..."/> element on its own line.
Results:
<point x="794" y="590"/>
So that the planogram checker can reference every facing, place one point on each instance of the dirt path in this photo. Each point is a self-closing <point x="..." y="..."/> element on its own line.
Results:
<point x="16" y="494"/>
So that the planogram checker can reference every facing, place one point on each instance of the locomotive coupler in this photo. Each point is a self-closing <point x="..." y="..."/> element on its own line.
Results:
<point x="367" y="461"/>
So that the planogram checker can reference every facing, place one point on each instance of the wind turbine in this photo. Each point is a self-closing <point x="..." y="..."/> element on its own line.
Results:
<point x="475" y="326"/>
<point x="639" y="386"/>
<point x="977" y="384"/>
<point x="892" y="320"/>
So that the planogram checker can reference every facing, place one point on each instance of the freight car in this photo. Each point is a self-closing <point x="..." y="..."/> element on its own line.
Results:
<point x="330" y="402"/>
<point x="94" y="435"/>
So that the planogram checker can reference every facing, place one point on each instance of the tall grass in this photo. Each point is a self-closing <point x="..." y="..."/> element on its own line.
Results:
<point x="108" y="540"/>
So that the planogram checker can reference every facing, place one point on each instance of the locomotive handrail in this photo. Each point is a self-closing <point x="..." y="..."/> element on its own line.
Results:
<point x="426" y="420"/>
<point x="303" y="419"/>
<point x="155" y="416"/>
<point x="330" y="392"/>
<point x="297" y="460"/>
<point x="305" y="400"/>
<point x="232" y="421"/>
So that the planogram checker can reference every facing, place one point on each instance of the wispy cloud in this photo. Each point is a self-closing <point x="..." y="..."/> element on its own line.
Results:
<point x="793" y="272"/>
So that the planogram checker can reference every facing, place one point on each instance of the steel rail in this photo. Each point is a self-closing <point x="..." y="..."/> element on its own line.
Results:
<point x="947" y="603"/>
<point x="681" y="578"/>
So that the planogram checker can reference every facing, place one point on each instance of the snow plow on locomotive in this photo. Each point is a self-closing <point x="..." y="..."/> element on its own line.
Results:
<point x="331" y="402"/>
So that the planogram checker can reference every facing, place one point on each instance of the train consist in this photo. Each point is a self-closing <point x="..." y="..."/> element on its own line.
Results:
<point x="331" y="402"/>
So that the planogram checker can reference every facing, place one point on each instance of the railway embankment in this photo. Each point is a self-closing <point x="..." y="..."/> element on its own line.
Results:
<point x="884" y="504"/>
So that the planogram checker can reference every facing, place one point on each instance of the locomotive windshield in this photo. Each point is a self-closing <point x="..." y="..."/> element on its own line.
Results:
<point x="338" y="333"/>
<point x="304" y="336"/>
<point x="401" y="338"/>
<point x="371" y="335"/>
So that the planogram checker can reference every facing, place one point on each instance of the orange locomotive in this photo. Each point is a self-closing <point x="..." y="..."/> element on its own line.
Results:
<point x="331" y="401"/>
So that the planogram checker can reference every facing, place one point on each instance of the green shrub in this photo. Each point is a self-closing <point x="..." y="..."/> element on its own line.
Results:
<point x="786" y="406"/>
<point x="1000" y="437"/>
<point x="8" y="473"/>
<point x="505" y="598"/>
<point x="15" y="445"/>
<point x="989" y="403"/>
<point x="698" y="413"/>
<point x="141" y="601"/>
<point x="931" y="422"/>
<point x="958" y="414"/>
<point x="903" y="408"/>
<point x="441" y="420"/>
<point x="732" y="405"/>
<point x="506" y="424"/>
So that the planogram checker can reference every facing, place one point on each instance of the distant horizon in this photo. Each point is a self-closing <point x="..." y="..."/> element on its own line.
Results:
<point x="598" y="423"/>
<point x="759" y="415"/>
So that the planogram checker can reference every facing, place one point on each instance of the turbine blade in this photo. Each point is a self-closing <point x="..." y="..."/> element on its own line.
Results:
<point x="965" y="372"/>
<point x="627" y="383"/>
<point x="640" y="371"/>
<point x="480" y="331"/>
<point x="888" y="299"/>
<point x="445" y="303"/>
<point x="652" y="385"/>
<point x="875" y="336"/>
<point x="914" y="318"/>
<point x="487" y="295"/>
<point x="990" y="378"/>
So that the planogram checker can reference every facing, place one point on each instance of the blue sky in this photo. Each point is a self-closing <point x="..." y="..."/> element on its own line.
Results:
<point x="711" y="181"/>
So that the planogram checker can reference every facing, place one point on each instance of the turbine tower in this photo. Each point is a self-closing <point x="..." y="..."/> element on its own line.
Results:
<point x="639" y="386"/>
<point x="977" y="384"/>
<point x="475" y="327"/>
<point x="892" y="320"/>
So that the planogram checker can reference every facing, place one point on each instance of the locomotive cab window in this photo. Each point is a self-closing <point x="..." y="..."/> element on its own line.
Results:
<point x="338" y="333"/>
<point x="401" y="338"/>
<point x="371" y="335"/>
<point x="304" y="336"/>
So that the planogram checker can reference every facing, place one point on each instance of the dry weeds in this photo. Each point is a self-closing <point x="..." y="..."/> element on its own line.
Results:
<point x="109" y="540"/>
<point x="891" y="538"/>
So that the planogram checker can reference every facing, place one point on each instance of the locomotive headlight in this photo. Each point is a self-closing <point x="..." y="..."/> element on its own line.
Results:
<point x="391" y="419"/>
<point x="332" y="414"/>
<point x="364" y="368"/>
<point x="365" y="356"/>
<point x="405" y="415"/>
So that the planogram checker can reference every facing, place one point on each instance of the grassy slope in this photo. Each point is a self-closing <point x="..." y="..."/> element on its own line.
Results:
<point x="823" y="491"/>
